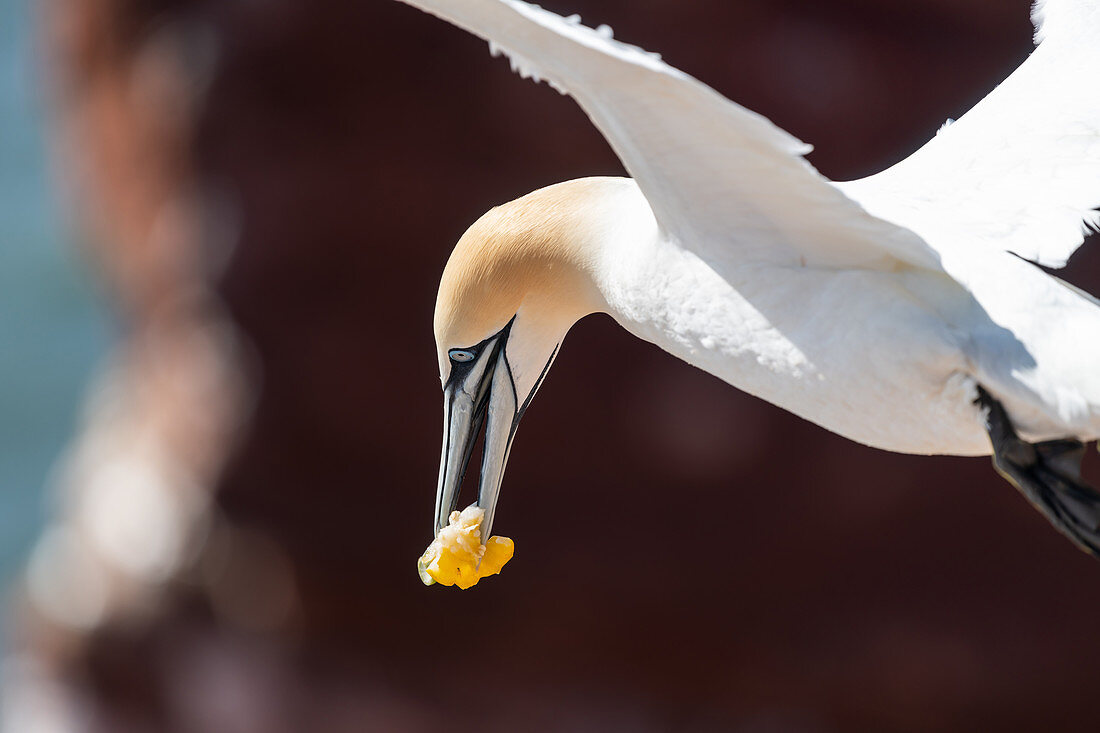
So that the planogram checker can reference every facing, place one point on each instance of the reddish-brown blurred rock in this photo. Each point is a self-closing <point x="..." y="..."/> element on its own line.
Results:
<point x="303" y="168"/>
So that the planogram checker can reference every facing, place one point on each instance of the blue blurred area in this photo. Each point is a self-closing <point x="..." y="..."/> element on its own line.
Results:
<point x="52" y="330"/>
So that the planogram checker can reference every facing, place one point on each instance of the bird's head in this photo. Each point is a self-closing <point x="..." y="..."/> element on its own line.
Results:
<point x="517" y="280"/>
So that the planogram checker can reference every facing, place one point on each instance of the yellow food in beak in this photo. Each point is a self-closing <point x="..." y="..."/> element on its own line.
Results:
<point x="457" y="557"/>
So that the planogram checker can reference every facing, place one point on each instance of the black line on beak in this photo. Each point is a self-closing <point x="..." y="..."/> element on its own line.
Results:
<point x="538" y="383"/>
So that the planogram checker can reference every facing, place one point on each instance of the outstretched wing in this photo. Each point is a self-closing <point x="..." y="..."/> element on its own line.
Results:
<point x="717" y="175"/>
<point x="1021" y="170"/>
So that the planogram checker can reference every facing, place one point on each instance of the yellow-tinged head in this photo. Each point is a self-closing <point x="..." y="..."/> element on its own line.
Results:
<point x="528" y="259"/>
<point x="517" y="280"/>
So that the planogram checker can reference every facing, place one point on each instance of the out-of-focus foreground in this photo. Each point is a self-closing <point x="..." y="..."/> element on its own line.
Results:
<point x="270" y="190"/>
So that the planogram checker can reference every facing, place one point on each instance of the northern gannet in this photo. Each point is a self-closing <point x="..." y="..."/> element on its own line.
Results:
<point x="899" y="310"/>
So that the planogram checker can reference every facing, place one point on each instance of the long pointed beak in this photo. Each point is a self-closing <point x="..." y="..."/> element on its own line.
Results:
<point x="480" y="395"/>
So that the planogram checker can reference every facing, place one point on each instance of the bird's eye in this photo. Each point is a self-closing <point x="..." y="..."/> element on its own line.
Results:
<point x="461" y="355"/>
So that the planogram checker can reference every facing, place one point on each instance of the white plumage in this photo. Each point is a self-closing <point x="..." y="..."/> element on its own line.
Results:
<point x="875" y="308"/>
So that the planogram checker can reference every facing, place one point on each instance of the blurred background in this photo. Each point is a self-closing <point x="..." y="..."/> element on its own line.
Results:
<point x="222" y="225"/>
<point x="53" y="327"/>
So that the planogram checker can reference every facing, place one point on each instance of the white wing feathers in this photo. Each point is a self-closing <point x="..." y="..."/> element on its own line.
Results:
<point x="1059" y="17"/>
<point x="721" y="179"/>
<point x="1021" y="170"/>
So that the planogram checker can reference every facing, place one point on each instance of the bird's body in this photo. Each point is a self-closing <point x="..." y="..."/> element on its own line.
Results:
<point x="898" y="310"/>
<point x="886" y="357"/>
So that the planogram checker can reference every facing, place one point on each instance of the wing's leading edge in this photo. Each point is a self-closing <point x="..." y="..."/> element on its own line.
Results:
<point x="721" y="179"/>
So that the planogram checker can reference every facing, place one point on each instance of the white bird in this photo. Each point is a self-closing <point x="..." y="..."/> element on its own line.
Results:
<point x="897" y="310"/>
